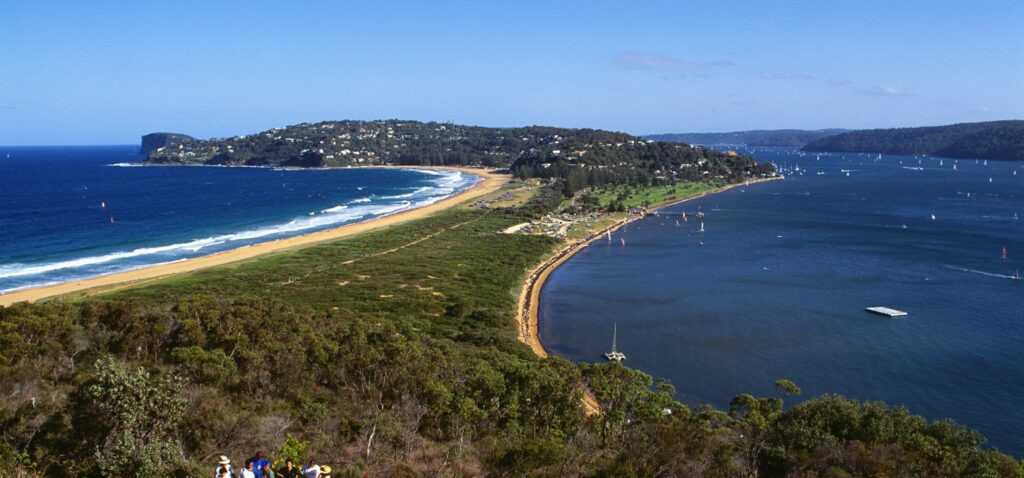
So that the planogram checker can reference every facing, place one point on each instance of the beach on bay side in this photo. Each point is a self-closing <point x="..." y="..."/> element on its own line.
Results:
<point x="528" y="302"/>
<point x="528" y="310"/>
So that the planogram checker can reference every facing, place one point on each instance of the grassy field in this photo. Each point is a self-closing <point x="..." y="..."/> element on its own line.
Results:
<point x="585" y="228"/>
<point x="653" y="195"/>
<point x="514" y="194"/>
<point x="413" y="270"/>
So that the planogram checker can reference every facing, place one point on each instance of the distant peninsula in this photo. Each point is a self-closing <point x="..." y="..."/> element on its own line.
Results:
<point x="575" y="156"/>
<point x="996" y="140"/>
<point x="790" y="138"/>
<point x="154" y="141"/>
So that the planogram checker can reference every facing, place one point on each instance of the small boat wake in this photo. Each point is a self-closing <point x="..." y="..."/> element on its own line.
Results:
<point x="984" y="273"/>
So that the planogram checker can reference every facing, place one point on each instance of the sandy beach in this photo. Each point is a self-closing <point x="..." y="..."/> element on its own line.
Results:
<point x="489" y="182"/>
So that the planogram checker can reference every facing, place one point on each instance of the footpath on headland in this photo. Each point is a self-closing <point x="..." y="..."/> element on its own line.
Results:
<point x="528" y="304"/>
<point x="490" y="182"/>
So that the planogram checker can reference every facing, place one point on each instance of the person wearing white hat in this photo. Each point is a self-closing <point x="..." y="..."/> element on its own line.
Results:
<point x="225" y="464"/>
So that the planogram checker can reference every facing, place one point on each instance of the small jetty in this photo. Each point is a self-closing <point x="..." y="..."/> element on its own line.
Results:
<point x="615" y="355"/>
<point x="886" y="311"/>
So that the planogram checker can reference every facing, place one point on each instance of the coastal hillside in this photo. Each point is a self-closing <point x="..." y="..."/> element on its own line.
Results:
<point x="155" y="141"/>
<point x="394" y="353"/>
<point x="791" y="138"/>
<point x="1000" y="140"/>
<point x="599" y="156"/>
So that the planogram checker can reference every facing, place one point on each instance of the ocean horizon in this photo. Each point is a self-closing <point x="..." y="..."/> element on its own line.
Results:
<point x="76" y="212"/>
<point x="776" y="286"/>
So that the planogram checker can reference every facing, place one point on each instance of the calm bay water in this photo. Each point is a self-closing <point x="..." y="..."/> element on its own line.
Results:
<point x="74" y="212"/>
<point x="777" y="284"/>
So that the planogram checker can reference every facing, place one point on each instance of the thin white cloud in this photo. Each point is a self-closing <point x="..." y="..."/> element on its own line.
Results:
<point x="878" y="91"/>
<point x="786" y="76"/>
<point x="655" y="62"/>
<point x="883" y="91"/>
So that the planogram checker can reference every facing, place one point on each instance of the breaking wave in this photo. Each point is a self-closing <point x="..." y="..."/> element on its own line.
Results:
<point x="445" y="183"/>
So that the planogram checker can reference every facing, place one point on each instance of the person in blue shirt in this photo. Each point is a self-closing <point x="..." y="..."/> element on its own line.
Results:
<point x="257" y="464"/>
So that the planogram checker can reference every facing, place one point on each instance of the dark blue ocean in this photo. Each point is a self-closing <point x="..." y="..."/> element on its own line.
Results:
<point x="777" y="285"/>
<point x="68" y="213"/>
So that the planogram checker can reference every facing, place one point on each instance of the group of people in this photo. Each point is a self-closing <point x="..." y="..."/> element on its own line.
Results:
<point x="260" y="467"/>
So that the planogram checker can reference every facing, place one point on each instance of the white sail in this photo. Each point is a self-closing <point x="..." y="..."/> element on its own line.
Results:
<point x="615" y="355"/>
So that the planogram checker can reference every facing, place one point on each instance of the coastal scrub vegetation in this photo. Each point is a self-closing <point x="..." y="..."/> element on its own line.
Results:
<point x="394" y="353"/>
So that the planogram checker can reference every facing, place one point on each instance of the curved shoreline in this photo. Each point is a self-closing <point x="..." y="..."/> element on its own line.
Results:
<point x="528" y="307"/>
<point x="528" y="303"/>
<point x="489" y="182"/>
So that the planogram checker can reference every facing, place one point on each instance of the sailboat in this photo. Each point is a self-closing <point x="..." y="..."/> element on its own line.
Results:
<point x="111" y="219"/>
<point x="103" y="205"/>
<point x="609" y="236"/>
<point x="933" y="217"/>
<point x="623" y="241"/>
<point x="615" y="355"/>
<point x="702" y="227"/>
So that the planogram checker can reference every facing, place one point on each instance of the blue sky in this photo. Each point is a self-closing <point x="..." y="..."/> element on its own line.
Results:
<point x="107" y="72"/>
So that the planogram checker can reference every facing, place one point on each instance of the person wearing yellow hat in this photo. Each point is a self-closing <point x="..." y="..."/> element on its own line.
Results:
<point x="325" y="471"/>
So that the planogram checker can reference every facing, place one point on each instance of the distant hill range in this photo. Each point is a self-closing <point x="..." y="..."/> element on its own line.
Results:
<point x="791" y="138"/>
<point x="990" y="140"/>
